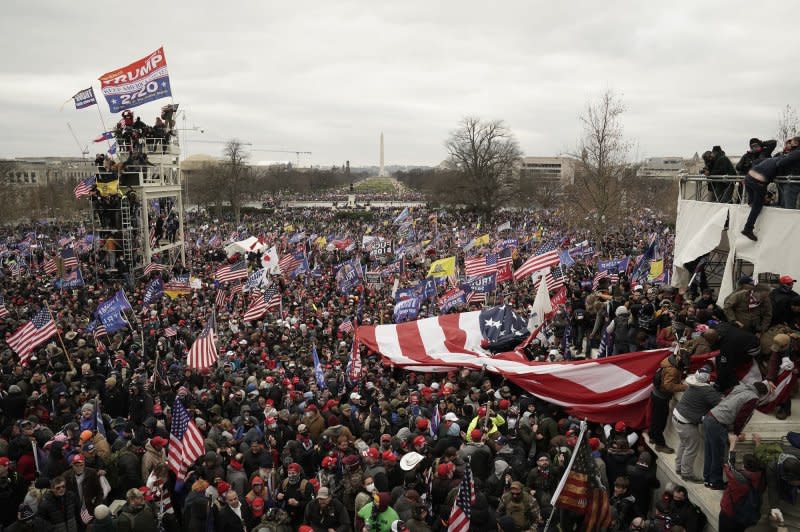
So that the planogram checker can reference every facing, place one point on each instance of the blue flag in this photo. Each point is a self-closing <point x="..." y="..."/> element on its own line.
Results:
<point x="348" y="275"/>
<point x="154" y="291"/>
<point x="320" y="375"/>
<point x="481" y="284"/>
<point x="407" y="310"/>
<point x="73" y="279"/>
<point x="502" y="328"/>
<point x="110" y="312"/>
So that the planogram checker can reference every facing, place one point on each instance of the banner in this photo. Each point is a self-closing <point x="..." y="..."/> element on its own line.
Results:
<point x="109" y="312"/>
<point x="348" y="274"/>
<point x="407" y="310"/>
<point x="443" y="268"/>
<point x="138" y="83"/>
<point x="73" y="279"/>
<point x="482" y="283"/>
<point x="452" y="298"/>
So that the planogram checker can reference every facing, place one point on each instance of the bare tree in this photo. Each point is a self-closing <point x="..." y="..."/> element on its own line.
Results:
<point x="788" y="124"/>
<point x="601" y="162"/>
<point x="485" y="155"/>
<point x="235" y="175"/>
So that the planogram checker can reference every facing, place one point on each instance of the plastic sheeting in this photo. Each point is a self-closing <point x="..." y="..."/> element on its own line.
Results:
<point x="699" y="230"/>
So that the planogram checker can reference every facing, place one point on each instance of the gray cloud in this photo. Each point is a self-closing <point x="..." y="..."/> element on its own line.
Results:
<point x="328" y="77"/>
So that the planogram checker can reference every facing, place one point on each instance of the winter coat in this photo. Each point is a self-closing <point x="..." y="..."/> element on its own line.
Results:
<point x="141" y="519"/>
<point x="737" y="308"/>
<point x="151" y="459"/>
<point x="90" y="487"/>
<point x="671" y="377"/>
<point x="59" y="512"/>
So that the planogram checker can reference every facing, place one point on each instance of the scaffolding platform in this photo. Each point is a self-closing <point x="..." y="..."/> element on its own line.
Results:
<point x="711" y="216"/>
<point x="145" y="217"/>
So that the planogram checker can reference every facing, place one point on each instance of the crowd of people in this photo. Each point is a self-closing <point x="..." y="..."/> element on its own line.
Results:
<point x="88" y="419"/>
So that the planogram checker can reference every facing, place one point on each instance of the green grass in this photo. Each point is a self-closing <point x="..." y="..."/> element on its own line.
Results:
<point x="375" y="185"/>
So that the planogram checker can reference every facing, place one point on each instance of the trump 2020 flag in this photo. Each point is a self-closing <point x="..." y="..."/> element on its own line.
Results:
<point x="138" y="83"/>
<point x="110" y="312"/>
<point x="407" y="309"/>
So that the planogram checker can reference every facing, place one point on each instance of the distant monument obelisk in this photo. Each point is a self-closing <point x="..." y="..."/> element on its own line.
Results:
<point x="382" y="172"/>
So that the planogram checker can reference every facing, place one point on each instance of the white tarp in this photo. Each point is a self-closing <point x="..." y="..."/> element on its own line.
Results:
<point x="699" y="230"/>
<point x="249" y="244"/>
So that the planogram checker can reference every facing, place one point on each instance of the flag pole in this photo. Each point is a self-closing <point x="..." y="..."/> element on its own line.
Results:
<point x="61" y="341"/>
<point x="563" y="481"/>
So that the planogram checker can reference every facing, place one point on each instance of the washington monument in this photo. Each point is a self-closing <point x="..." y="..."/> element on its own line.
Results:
<point x="382" y="171"/>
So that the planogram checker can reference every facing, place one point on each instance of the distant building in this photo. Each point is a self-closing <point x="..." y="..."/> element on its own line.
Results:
<point x="39" y="171"/>
<point x="663" y="167"/>
<point x="553" y="170"/>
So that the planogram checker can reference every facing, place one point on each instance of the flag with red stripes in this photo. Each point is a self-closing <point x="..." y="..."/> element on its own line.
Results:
<point x="185" y="441"/>
<point x="260" y="303"/>
<point x="221" y="299"/>
<point x="32" y="334"/>
<point x="480" y="265"/>
<point x="50" y="267"/>
<point x="4" y="311"/>
<point x="154" y="267"/>
<point x="602" y="390"/>
<point x="346" y="326"/>
<point x="232" y="272"/>
<point x="545" y="256"/>
<point x="462" y="507"/>
<point x="170" y="332"/>
<point x="69" y="258"/>
<point x="602" y="274"/>
<point x="203" y="352"/>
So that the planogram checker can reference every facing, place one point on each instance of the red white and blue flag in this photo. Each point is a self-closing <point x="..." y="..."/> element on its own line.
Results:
<point x="4" y="311"/>
<point x="462" y="507"/>
<point x="602" y="390"/>
<point x="544" y="257"/>
<point x="32" y="334"/>
<point x="232" y="272"/>
<point x="203" y="352"/>
<point x="84" y="188"/>
<point x="480" y="265"/>
<point x="138" y="83"/>
<point x="186" y="442"/>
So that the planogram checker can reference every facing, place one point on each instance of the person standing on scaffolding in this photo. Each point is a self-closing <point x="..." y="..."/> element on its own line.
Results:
<point x="764" y="173"/>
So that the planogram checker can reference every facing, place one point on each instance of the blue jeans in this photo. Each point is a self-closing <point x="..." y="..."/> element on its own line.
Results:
<point x="756" y="192"/>
<point x="789" y="195"/>
<point x="715" y="447"/>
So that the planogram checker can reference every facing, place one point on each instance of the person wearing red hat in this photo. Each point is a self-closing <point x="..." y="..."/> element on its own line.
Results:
<point x="375" y="469"/>
<point x="781" y="298"/>
<point x="84" y="482"/>
<point x="154" y="454"/>
<point x="295" y="492"/>
<point x="479" y="454"/>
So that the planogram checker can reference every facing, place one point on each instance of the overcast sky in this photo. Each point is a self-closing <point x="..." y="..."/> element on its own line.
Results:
<point x="329" y="76"/>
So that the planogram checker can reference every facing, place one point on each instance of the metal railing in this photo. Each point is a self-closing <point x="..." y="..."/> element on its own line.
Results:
<point x="151" y="145"/>
<point x="727" y="189"/>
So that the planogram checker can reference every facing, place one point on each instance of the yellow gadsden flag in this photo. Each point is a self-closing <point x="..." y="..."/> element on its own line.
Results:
<point x="481" y="240"/>
<point x="445" y="267"/>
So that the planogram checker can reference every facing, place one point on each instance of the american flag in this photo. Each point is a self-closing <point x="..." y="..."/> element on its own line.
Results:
<point x="462" y="507"/>
<point x="50" y="266"/>
<point x="546" y="255"/>
<point x="99" y="331"/>
<point x="554" y="279"/>
<point x="203" y="352"/>
<point x="170" y="332"/>
<point x="236" y="289"/>
<point x="185" y="442"/>
<point x="69" y="258"/>
<point x="290" y="262"/>
<point x="232" y="272"/>
<point x="346" y="326"/>
<point x="86" y="517"/>
<point x="154" y="267"/>
<point x="260" y="304"/>
<point x="3" y="310"/>
<point x="480" y="265"/>
<point x="32" y="334"/>
<point x="220" y="299"/>
<point x="602" y="274"/>
<point x="84" y="188"/>
<point x="603" y="390"/>
<point x="505" y="258"/>
<point x="476" y="297"/>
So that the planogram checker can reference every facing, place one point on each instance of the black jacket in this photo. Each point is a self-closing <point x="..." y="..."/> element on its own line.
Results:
<point x="782" y="164"/>
<point x="334" y="516"/>
<point x="59" y="512"/>
<point x="228" y="521"/>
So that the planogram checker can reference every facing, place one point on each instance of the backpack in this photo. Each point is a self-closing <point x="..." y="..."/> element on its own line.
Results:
<point x="747" y="510"/>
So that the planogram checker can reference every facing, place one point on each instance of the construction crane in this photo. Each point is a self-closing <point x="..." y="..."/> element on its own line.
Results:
<point x="84" y="149"/>
<point x="296" y="152"/>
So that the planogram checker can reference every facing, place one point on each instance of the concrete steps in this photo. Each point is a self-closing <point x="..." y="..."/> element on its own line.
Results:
<point x="771" y="430"/>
